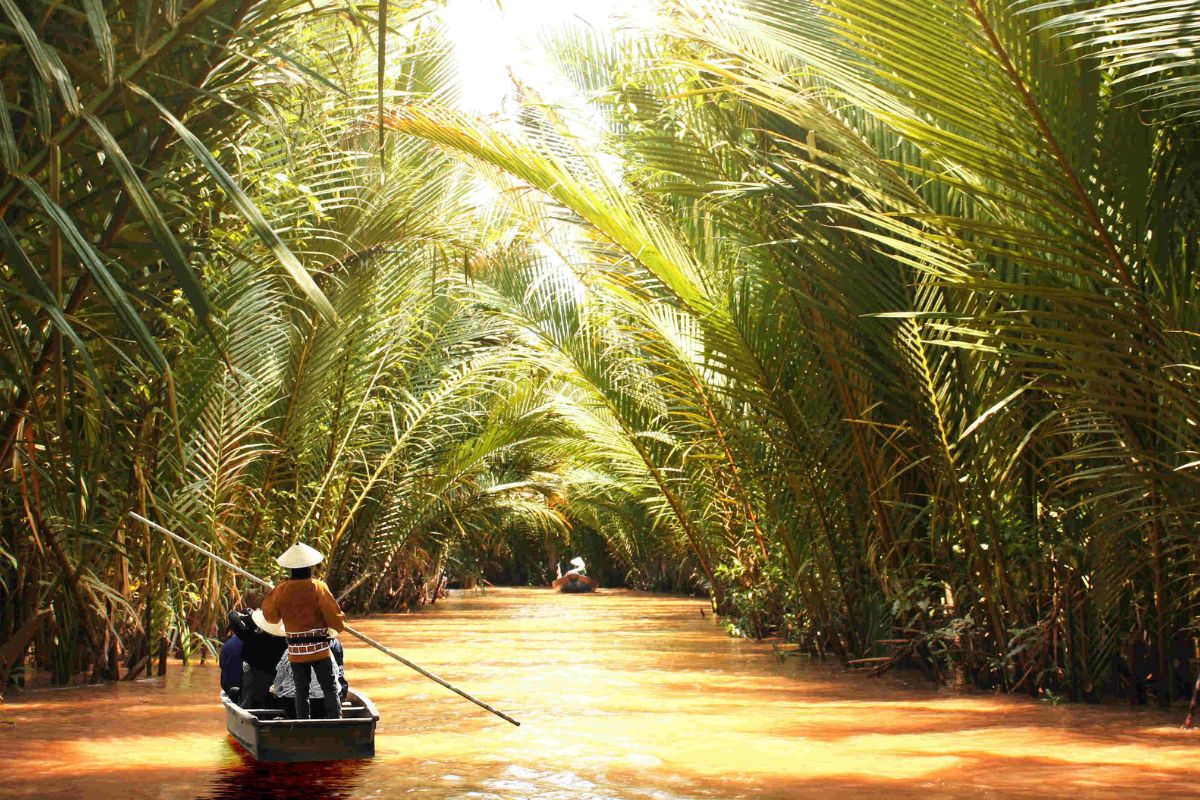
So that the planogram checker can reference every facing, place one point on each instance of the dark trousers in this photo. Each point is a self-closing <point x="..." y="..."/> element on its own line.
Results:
<point x="302" y="672"/>
<point x="256" y="688"/>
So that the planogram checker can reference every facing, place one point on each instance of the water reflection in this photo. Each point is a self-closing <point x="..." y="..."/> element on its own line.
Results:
<point x="242" y="777"/>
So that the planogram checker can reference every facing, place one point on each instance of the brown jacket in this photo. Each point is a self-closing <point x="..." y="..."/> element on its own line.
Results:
<point x="303" y="605"/>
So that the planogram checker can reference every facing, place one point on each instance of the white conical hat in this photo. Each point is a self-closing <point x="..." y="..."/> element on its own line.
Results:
<point x="577" y="561"/>
<point x="273" y="628"/>
<point x="298" y="556"/>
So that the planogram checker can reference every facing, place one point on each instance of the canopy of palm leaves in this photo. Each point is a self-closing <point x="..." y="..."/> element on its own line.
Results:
<point x="874" y="320"/>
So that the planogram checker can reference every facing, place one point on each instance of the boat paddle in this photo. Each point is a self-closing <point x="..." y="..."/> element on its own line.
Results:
<point x="381" y="648"/>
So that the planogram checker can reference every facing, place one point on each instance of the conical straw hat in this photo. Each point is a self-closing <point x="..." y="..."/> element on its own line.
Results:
<point x="298" y="556"/>
<point x="578" y="562"/>
<point x="273" y="628"/>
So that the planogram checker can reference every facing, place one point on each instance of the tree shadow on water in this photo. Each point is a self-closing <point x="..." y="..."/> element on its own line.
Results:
<point x="243" y="777"/>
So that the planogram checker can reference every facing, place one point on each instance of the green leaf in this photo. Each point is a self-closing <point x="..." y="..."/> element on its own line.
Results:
<point x="39" y="293"/>
<point x="33" y="45"/>
<point x="98" y="22"/>
<point x="159" y="230"/>
<point x="248" y="210"/>
<point x="94" y="263"/>
<point x="47" y="63"/>
<point x="10" y="154"/>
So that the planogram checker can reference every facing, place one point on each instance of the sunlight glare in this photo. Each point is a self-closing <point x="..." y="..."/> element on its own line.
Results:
<point x="491" y="38"/>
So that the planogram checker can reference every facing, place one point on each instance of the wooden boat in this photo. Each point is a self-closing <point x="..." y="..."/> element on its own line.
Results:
<point x="268" y="735"/>
<point x="574" y="583"/>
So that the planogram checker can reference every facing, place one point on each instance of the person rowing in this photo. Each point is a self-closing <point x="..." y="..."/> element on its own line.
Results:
<point x="574" y="580"/>
<point x="387" y="651"/>
<point x="311" y="616"/>
<point x="580" y="568"/>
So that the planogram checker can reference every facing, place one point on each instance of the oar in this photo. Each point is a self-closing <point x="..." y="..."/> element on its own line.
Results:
<point x="385" y="650"/>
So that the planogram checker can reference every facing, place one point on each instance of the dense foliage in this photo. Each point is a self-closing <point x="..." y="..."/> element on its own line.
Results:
<point x="873" y="318"/>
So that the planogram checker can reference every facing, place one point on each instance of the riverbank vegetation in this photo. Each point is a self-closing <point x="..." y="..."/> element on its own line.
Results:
<point x="873" y="320"/>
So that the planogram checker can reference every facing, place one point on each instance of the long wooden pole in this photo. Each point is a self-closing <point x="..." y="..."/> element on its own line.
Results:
<point x="381" y="648"/>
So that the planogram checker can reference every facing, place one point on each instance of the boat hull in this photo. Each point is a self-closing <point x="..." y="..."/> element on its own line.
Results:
<point x="293" y="740"/>
<point x="573" y="583"/>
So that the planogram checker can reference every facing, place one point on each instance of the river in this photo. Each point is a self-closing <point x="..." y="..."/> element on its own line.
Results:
<point x="621" y="695"/>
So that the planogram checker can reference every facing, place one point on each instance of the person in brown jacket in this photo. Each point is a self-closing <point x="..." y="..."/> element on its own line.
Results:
<point x="311" y="617"/>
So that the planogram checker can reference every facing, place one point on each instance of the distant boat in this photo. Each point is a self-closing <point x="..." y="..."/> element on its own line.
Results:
<point x="574" y="583"/>
<point x="268" y="735"/>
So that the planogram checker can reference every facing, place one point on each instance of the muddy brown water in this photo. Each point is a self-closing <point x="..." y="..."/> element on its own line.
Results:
<point x="621" y="695"/>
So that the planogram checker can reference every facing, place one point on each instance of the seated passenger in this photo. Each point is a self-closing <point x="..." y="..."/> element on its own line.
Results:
<point x="283" y="688"/>
<point x="339" y="659"/>
<point x="230" y="660"/>
<point x="262" y="644"/>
